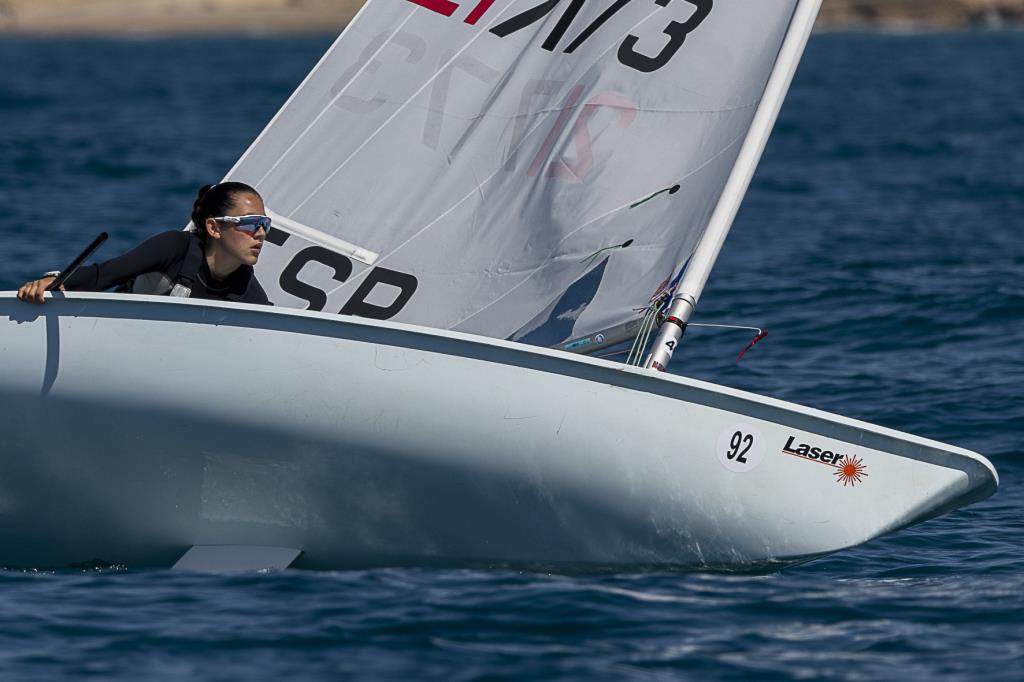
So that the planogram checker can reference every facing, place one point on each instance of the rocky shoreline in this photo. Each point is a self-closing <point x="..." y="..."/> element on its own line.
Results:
<point x="327" y="16"/>
<point x="921" y="14"/>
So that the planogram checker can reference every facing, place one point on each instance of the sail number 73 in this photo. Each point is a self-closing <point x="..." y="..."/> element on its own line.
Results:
<point x="647" y="52"/>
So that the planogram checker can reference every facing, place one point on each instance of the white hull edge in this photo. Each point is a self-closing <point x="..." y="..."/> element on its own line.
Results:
<point x="133" y="428"/>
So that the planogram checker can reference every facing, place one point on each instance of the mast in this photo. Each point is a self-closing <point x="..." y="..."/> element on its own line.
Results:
<point x="684" y="302"/>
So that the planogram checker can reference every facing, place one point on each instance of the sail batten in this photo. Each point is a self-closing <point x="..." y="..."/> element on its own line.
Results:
<point x="478" y="158"/>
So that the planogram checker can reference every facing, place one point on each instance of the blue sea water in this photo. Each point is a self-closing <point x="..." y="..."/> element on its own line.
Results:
<point x="880" y="244"/>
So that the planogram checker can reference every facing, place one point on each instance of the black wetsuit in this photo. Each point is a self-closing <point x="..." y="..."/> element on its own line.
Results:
<point x="165" y="253"/>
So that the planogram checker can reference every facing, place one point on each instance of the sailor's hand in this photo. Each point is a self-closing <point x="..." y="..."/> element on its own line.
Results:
<point x="32" y="292"/>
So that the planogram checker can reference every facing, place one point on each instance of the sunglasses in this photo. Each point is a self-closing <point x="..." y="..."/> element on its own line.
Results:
<point x="247" y="223"/>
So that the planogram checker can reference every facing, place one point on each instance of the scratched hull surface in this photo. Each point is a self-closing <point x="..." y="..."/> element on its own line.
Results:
<point x="373" y="444"/>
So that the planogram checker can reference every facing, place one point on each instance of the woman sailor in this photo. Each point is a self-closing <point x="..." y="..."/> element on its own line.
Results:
<point x="214" y="261"/>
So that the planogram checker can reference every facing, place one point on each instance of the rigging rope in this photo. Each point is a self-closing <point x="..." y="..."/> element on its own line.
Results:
<point x="650" y="321"/>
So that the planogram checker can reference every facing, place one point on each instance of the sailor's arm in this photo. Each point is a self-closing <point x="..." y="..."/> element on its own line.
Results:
<point x="156" y="254"/>
<point x="32" y="292"/>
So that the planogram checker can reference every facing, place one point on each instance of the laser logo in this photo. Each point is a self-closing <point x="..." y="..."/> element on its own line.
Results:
<point x="849" y="469"/>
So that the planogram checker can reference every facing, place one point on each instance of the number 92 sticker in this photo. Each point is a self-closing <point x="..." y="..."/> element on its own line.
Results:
<point x="740" y="447"/>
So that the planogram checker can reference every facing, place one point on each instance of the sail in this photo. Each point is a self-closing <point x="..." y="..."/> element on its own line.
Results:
<point x="532" y="169"/>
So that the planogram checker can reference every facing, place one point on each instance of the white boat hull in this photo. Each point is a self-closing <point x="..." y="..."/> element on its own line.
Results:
<point x="133" y="428"/>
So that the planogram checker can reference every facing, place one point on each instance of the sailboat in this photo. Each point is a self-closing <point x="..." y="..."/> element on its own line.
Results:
<point x="469" y="199"/>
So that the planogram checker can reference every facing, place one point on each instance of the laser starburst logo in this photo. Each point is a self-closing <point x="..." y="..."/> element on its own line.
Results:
<point x="850" y="470"/>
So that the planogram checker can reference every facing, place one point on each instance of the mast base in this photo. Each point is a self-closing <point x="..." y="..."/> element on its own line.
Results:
<point x="672" y="330"/>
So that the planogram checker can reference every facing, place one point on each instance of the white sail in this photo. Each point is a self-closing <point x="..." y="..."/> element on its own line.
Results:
<point x="497" y="155"/>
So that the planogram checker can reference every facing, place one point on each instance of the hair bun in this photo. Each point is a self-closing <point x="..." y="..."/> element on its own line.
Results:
<point x="201" y="195"/>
